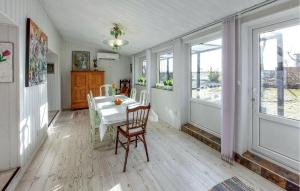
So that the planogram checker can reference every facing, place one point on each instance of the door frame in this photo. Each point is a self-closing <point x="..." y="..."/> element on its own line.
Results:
<point x="254" y="144"/>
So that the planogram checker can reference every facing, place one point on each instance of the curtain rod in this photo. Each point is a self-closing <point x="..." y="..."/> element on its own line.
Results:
<point x="244" y="11"/>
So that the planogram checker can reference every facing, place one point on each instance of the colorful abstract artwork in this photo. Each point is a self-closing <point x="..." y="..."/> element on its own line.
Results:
<point x="80" y="60"/>
<point x="36" y="55"/>
<point x="6" y="62"/>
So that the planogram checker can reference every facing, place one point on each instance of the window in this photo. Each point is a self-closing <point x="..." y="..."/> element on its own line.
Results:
<point x="279" y="55"/>
<point x="141" y="71"/>
<point x="166" y="68"/>
<point x="144" y="67"/>
<point x="206" y="65"/>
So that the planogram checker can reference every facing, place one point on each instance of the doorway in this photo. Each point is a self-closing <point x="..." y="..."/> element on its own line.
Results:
<point x="276" y="92"/>
<point x="53" y="86"/>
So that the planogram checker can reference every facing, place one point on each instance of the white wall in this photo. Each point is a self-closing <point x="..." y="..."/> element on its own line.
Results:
<point x="114" y="70"/>
<point x="163" y="104"/>
<point x="53" y="84"/>
<point x="9" y="115"/>
<point x="170" y="106"/>
<point x="32" y="100"/>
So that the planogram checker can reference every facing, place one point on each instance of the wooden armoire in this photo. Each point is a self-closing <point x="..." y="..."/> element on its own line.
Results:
<point x="81" y="83"/>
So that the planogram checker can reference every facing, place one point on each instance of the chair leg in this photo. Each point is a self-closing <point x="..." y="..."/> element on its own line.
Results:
<point x="126" y="155"/>
<point x="135" y="141"/>
<point x="145" y="145"/>
<point x="117" y="142"/>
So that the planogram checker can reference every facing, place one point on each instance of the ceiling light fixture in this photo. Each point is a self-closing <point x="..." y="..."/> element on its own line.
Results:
<point x="116" y="43"/>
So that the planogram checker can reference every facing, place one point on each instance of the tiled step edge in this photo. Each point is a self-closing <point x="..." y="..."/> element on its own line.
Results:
<point x="207" y="138"/>
<point x="272" y="172"/>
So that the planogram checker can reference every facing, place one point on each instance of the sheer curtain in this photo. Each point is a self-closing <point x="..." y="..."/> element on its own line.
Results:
<point x="228" y="89"/>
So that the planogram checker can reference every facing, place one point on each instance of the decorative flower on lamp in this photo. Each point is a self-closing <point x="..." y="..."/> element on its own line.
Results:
<point x="117" y="31"/>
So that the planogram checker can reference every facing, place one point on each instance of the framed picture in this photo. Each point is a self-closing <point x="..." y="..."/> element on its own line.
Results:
<point x="50" y="68"/>
<point x="6" y="62"/>
<point x="36" y="55"/>
<point x="80" y="60"/>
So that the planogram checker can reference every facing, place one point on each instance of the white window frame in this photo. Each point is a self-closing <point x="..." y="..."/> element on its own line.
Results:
<point x="158" y="62"/>
<point x="247" y="67"/>
<point x="205" y="38"/>
<point x="138" y="67"/>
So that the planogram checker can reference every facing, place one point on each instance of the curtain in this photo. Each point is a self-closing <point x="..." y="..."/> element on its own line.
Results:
<point x="228" y="89"/>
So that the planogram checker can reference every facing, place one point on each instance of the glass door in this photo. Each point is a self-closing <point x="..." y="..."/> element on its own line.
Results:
<point x="276" y="92"/>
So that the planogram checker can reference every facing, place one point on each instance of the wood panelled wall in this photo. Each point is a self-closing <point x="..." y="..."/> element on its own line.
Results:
<point x="9" y="108"/>
<point x="31" y="115"/>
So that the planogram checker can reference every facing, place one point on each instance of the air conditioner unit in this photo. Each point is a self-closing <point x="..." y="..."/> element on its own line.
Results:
<point x="107" y="56"/>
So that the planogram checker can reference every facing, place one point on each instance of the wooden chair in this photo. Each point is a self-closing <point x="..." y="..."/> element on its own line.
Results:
<point x="107" y="90"/>
<point x="133" y="93"/>
<point x="144" y="97"/>
<point x="124" y="87"/>
<point x="135" y="127"/>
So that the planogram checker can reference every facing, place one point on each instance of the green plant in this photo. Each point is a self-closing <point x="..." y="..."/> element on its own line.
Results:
<point x="117" y="30"/>
<point x="168" y="82"/>
<point x="213" y="76"/>
<point x="142" y="80"/>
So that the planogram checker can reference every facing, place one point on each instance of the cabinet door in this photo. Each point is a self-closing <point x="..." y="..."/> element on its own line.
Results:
<point x="79" y="90"/>
<point x="95" y="80"/>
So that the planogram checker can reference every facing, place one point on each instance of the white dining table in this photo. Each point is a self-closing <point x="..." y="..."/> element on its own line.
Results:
<point x="111" y="114"/>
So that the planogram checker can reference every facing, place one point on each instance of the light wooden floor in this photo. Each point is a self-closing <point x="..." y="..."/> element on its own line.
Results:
<point x="5" y="176"/>
<point x="177" y="162"/>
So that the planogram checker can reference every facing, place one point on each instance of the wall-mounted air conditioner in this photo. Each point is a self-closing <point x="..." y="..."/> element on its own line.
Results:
<point x="107" y="56"/>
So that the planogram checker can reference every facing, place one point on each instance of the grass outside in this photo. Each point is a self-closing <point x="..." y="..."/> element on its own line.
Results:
<point x="291" y="102"/>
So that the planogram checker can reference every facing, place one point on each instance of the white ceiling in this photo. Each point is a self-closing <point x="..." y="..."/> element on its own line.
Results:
<point x="147" y="22"/>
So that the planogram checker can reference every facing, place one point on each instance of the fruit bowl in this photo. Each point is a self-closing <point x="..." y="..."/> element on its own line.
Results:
<point x="118" y="101"/>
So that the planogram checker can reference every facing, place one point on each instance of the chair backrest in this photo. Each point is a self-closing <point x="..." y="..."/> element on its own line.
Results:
<point x="144" y="97"/>
<point x="133" y="93"/>
<point x="107" y="89"/>
<point x="92" y="111"/>
<point x="91" y="94"/>
<point x="124" y="87"/>
<point x="137" y="117"/>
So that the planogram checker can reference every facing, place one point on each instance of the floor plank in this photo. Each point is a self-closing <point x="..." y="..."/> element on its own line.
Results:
<point x="66" y="161"/>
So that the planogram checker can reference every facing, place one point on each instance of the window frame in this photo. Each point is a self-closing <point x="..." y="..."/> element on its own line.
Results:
<point x="146" y="62"/>
<point x="170" y="51"/>
<point x="203" y="39"/>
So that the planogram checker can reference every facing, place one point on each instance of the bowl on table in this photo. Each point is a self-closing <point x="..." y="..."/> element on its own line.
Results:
<point x="118" y="101"/>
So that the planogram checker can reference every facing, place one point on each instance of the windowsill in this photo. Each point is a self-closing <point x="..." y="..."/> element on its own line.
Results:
<point x="207" y="103"/>
<point x="141" y="85"/>
<point x="162" y="88"/>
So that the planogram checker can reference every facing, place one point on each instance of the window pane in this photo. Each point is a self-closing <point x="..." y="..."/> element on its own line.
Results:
<point x="144" y="67"/>
<point x="165" y="67"/>
<point x="195" y="75"/>
<point x="280" y="72"/>
<point x="206" y="71"/>
<point x="170" y="69"/>
<point x="163" y="70"/>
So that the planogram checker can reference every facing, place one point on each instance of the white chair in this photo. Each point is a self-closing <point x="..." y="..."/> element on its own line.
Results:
<point x="95" y="120"/>
<point x="107" y="90"/>
<point x="133" y="93"/>
<point x="144" y="97"/>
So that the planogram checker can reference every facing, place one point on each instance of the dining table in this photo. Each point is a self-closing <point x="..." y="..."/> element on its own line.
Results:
<point x="110" y="114"/>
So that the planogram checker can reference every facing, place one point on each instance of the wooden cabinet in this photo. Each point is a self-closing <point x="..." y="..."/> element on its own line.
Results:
<point x="81" y="84"/>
